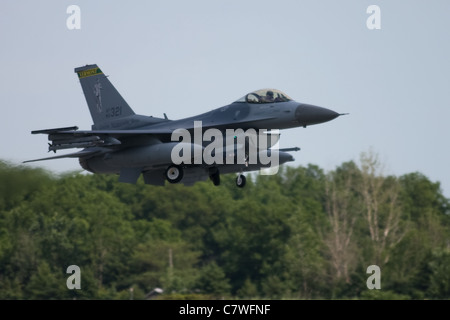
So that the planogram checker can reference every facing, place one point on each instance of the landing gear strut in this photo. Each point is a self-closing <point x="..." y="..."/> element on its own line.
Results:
<point x="214" y="175"/>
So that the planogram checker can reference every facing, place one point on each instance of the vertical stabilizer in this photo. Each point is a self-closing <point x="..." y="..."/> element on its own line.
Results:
<point x="104" y="101"/>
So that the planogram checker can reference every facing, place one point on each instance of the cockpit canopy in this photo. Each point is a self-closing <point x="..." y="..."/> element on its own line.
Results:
<point x="265" y="96"/>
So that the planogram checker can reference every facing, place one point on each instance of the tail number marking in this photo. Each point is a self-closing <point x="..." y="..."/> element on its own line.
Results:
<point x="113" y="112"/>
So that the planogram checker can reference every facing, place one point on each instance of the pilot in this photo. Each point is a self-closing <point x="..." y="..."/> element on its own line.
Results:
<point x="269" y="97"/>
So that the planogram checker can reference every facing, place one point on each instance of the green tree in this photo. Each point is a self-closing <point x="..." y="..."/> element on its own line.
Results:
<point x="440" y="274"/>
<point x="46" y="283"/>
<point x="381" y="208"/>
<point x="18" y="184"/>
<point x="302" y="233"/>
<point x="213" y="281"/>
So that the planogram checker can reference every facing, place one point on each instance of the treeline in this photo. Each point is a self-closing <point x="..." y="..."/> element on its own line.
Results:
<point x="301" y="234"/>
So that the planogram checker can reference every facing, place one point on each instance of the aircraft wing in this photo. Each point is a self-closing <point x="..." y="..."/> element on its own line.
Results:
<point x="74" y="132"/>
<point x="118" y="133"/>
<point x="71" y="137"/>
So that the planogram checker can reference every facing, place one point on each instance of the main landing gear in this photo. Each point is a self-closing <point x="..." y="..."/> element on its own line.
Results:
<point x="174" y="174"/>
<point x="214" y="175"/>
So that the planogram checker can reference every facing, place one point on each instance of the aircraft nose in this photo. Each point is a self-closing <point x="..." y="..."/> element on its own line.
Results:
<point x="307" y="114"/>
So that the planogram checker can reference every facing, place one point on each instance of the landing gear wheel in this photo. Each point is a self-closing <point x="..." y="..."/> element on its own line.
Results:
<point x="240" y="181"/>
<point x="174" y="174"/>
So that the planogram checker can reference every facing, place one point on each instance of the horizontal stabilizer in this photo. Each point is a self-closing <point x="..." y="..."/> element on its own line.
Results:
<point x="83" y="153"/>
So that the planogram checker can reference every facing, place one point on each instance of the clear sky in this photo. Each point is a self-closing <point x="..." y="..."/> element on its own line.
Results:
<point x="188" y="57"/>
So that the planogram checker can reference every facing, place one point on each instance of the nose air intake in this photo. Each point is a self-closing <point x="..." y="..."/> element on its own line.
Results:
<point x="307" y="114"/>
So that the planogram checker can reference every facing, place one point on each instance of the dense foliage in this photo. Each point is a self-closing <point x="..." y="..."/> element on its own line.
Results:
<point x="300" y="234"/>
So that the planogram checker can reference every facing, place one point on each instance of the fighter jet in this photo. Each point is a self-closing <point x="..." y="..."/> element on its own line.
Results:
<point x="236" y="138"/>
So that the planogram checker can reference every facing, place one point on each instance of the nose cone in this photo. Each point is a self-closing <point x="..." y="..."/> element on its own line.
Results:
<point x="307" y="114"/>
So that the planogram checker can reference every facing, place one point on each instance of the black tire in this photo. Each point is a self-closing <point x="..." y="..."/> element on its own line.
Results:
<point x="216" y="178"/>
<point x="174" y="174"/>
<point x="240" y="181"/>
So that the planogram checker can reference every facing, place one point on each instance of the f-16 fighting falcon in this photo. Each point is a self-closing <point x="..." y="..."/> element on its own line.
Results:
<point x="236" y="138"/>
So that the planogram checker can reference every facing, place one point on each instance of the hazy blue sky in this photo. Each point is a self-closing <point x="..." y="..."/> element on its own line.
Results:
<point x="187" y="57"/>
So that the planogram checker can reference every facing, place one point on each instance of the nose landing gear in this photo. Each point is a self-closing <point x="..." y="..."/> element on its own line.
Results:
<point x="240" y="181"/>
